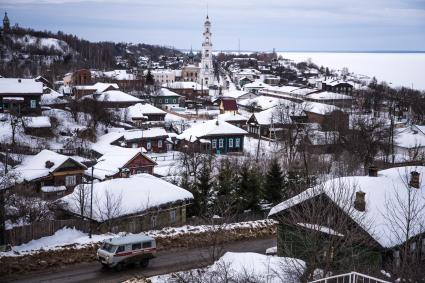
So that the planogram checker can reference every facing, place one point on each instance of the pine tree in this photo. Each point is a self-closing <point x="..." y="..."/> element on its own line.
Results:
<point x="272" y="190"/>
<point x="203" y="187"/>
<point x="249" y="188"/>
<point x="225" y="179"/>
<point x="149" y="78"/>
<point x="225" y="192"/>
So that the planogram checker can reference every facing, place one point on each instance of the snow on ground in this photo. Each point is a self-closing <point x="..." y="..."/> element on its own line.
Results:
<point x="62" y="237"/>
<point x="245" y="267"/>
<point x="70" y="236"/>
<point x="398" y="68"/>
<point x="168" y="163"/>
<point x="266" y="147"/>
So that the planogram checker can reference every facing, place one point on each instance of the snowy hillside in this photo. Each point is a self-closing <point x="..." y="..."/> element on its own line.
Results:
<point x="42" y="43"/>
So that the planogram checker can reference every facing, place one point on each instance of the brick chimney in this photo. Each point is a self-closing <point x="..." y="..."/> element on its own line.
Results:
<point x="360" y="202"/>
<point x="49" y="164"/>
<point x="414" y="179"/>
<point x="373" y="171"/>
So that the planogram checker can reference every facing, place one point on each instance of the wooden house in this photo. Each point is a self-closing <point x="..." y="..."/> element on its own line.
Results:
<point x="121" y="163"/>
<point x="167" y="99"/>
<point x="20" y="96"/>
<point x="146" y="203"/>
<point x="217" y="137"/>
<point x="356" y="219"/>
<point x="50" y="174"/>
<point x="153" y="139"/>
<point x="141" y="113"/>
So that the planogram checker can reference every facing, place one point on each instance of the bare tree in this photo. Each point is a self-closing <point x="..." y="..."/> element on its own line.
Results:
<point x="405" y="217"/>
<point x="81" y="199"/>
<point x="366" y="138"/>
<point x="108" y="208"/>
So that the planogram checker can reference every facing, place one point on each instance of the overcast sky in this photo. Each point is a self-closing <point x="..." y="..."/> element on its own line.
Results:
<point x="287" y="25"/>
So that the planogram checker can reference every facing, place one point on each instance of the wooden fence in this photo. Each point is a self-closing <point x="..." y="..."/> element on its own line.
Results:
<point x="23" y="234"/>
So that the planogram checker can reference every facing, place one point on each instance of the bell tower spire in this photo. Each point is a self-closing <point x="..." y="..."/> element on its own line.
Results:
<point x="207" y="71"/>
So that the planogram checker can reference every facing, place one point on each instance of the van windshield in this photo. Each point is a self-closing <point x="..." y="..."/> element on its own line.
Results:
<point x="109" y="248"/>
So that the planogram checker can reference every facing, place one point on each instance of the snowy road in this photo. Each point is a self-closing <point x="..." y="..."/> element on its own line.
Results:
<point x="166" y="262"/>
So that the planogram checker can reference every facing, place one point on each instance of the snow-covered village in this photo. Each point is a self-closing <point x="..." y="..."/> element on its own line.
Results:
<point x="170" y="158"/>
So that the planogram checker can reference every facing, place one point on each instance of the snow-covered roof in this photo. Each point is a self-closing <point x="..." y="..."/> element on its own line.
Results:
<point x="111" y="162"/>
<point x="120" y="75"/>
<point x="281" y="113"/>
<point x="262" y="102"/>
<point x="148" y="133"/>
<point x="334" y="82"/>
<point x="51" y="97"/>
<point x="37" y="122"/>
<point x="210" y="128"/>
<point x="114" y="96"/>
<point x="104" y="145"/>
<point x="318" y="108"/>
<point x="409" y="138"/>
<point x="231" y="117"/>
<point x="185" y="85"/>
<point x="133" y="195"/>
<point x="20" y="86"/>
<point x="34" y="167"/>
<point x="327" y="95"/>
<point x="256" y="84"/>
<point x="97" y="87"/>
<point x="235" y="93"/>
<point x="386" y="194"/>
<point x="167" y="92"/>
<point x="139" y="110"/>
<point x="101" y="87"/>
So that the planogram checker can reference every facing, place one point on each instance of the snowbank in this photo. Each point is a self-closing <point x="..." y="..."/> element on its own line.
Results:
<point x="249" y="267"/>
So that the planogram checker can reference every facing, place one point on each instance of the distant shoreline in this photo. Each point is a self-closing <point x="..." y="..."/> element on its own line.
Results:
<point x="317" y="51"/>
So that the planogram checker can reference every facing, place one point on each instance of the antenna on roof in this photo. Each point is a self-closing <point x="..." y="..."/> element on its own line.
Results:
<point x="207" y="11"/>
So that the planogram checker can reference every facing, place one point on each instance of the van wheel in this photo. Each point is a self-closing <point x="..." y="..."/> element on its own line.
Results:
<point x="119" y="267"/>
<point x="105" y="266"/>
<point x="144" y="262"/>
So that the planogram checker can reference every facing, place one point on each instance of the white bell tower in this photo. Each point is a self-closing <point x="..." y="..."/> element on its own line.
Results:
<point x="207" y="70"/>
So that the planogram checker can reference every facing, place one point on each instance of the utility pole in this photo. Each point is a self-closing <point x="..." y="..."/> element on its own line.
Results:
<point x="3" y="206"/>
<point x="259" y="140"/>
<point x="91" y="202"/>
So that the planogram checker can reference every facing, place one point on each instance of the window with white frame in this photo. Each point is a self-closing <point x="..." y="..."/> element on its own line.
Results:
<point x="159" y="143"/>
<point x="220" y="143"/>
<point x="70" y="180"/>
<point x="173" y="217"/>
<point x="33" y="103"/>
<point x="174" y="100"/>
<point x="166" y="100"/>
<point x="134" y="145"/>
<point x="230" y="143"/>
<point x="214" y="143"/>
<point x="237" y="142"/>
<point x="149" y="145"/>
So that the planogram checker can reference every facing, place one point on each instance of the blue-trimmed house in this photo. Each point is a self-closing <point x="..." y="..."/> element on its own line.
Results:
<point x="214" y="136"/>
